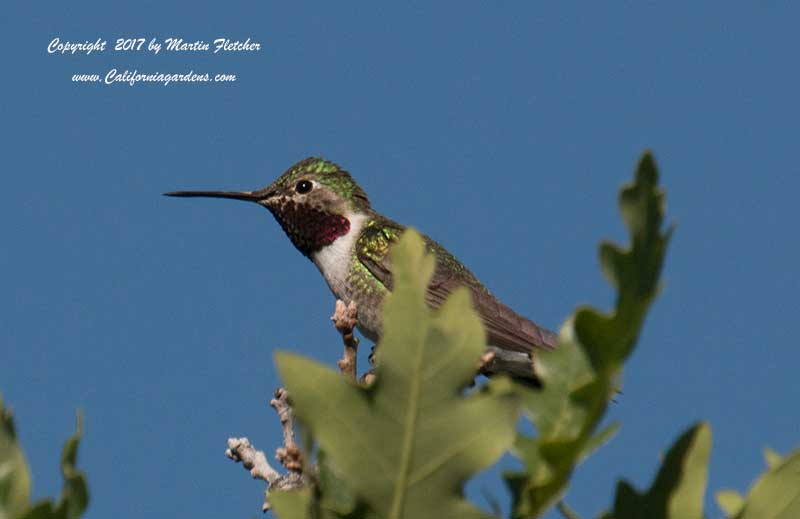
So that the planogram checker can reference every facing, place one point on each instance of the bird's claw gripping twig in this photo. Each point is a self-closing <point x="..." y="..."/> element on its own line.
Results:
<point x="344" y="319"/>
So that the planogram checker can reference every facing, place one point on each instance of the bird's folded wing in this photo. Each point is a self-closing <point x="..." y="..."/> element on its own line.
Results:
<point x="506" y="329"/>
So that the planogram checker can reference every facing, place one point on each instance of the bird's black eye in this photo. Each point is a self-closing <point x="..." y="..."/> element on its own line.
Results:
<point x="303" y="187"/>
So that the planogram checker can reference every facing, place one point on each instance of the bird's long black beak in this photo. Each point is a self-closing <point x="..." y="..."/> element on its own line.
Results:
<point x="247" y="196"/>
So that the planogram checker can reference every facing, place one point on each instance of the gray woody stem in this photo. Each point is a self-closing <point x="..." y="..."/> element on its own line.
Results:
<point x="254" y="461"/>
<point x="289" y="455"/>
<point x="241" y="450"/>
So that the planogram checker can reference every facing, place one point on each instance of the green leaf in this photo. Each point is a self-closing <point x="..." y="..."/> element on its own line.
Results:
<point x="302" y="504"/>
<point x="291" y="504"/>
<point x="15" y="479"/>
<point x="41" y="510"/>
<point x="581" y="376"/>
<point x="772" y="458"/>
<point x="679" y="487"/>
<point x="776" y="493"/>
<point x="74" y="497"/>
<point x="598" y="440"/>
<point x="406" y="445"/>
<point x="336" y="496"/>
<point x="730" y="501"/>
<point x="75" y="492"/>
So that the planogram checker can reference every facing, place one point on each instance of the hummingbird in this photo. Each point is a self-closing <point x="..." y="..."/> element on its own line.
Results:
<point x="329" y="219"/>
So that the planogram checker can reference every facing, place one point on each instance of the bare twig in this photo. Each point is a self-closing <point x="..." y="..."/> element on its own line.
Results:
<point x="344" y="319"/>
<point x="255" y="461"/>
<point x="241" y="450"/>
<point x="289" y="455"/>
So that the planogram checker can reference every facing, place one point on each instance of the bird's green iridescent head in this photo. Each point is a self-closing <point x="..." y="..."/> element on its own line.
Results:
<point x="320" y="183"/>
<point x="313" y="201"/>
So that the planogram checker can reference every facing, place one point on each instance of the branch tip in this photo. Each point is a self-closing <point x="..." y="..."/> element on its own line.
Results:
<point x="254" y="461"/>
<point x="289" y="455"/>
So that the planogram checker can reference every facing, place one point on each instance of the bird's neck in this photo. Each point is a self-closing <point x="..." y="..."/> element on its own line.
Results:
<point x="311" y="228"/>
<point x="335" y="259"/>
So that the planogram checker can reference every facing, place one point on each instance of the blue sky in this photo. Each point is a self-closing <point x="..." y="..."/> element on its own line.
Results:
<point x="504" y="132"/>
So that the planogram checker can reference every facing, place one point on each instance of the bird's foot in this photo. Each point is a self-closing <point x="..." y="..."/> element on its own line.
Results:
<point x="344" y="319"/>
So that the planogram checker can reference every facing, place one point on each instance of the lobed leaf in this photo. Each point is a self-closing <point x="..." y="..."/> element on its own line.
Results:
<point x="776" y="493"/>
<point x="679" y="486"/>
<point x="291" y="504"/>
<point x="408" y="443"/>
<point x="74" y="497"/>
<point x="581" y="376"/>
<point x="730" y="501"/>
<point x="772" y="458"/>
<point x="15" y="478"/>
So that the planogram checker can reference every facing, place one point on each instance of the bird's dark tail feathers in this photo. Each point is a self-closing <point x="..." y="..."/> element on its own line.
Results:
<point x="516" y="364"/>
